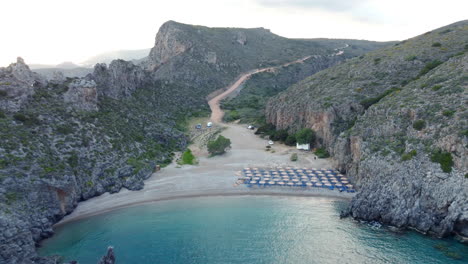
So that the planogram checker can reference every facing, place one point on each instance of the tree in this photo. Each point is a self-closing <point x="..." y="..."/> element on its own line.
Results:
<point x="305" y="136"/>
<point x="279" y="135"/>
<point x="290" y="140"/>
<point x="219" y="146"/>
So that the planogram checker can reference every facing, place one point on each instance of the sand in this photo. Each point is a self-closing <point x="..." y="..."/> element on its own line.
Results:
<point x="212" y="176"/>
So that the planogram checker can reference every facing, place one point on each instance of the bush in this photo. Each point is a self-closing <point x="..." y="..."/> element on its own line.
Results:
<point x="444" y="159"/>
<point x="366" y="103"/>
<point x="448" y="113"/>
<point x="2" y="114"/>
<point x="411" y="58"/>
<point x="188" y="157"/>
<point x="419" y="125"/>
<point x="305" y="136"/>
<point x="377" y="60"/>
<point x="20" y="117"/>
<point x="436" y="87"/>
<point x="65" y="129"/>
<point x="219" y="146"/>
<point x="294" y="157"/>
<point x="290" y="140"/>
<point x="466" y="175"/>
<point x="436" y="44"/>
<point x="429" y="66"/>
<point x="268" y="129"/>
<point x="280" y="135"/>
<point x="3" y="93"/>
<point x="409" y="155"/>
<point x="322" y="153"/>
<point x="231" y="116"/>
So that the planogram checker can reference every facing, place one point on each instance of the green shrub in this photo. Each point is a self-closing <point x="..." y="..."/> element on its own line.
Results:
<point x="188" y="157"/>
<point x="466" y="175"/>
<point x="322" y="153"/>
<point x="436" y="87"/>
<point x="64" y="129"/>
<point x="377" y="60"/>
<point x="231" y="115"/>
<point x="290" y="140"/>
<point x="267" y="129"/>
<point x="448" y="113"/>
<point x="219" y="146"/>
<point x="3" y="93"/>
<point x="444" y="159"/>
<point x="436" y="44"/>
<point x="410" y="58"/>
<point x="466" y="47"/>
<point x="368" y="102"/>
<point x="280" y="135"/>
<point x="409" y="155"/>
<point x="419" y="125"/>
<point x="73" y="160"/>
<point x="305" y="136"/>
<point x="20" y="117"/>
<point x="294" y="157"/>
<point x="429" y="66"/>
<point x="2" y="114"/>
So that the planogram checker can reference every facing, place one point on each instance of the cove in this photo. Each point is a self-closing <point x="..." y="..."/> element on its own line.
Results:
<point x="244" y="229"/>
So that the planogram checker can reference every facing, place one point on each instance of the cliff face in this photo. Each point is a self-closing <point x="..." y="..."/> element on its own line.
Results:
<point x="389" y="118"/>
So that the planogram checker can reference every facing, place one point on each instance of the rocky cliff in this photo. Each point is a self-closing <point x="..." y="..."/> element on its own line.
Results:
<point x="395" y="121"/>
<point x="69" y="139"/>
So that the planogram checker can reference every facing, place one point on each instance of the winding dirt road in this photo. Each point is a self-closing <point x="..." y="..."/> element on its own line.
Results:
<point x="216" y="112"/>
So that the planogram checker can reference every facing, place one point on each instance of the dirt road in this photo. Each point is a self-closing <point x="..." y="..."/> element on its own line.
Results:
<point x="216" y="112"/>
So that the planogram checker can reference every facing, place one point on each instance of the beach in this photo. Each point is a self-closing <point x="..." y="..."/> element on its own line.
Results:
<point x="213" y="176"/>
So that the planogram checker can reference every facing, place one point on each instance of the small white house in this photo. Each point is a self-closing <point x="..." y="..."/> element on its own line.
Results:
<point x="303" y="146"/>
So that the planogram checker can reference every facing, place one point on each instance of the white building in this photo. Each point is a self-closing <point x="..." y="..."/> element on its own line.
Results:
<point x="303" y="146"/>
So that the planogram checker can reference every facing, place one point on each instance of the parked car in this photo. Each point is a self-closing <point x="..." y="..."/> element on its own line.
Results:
<point x="209" y="124"/>
<point x="198" y="126"/>
<point x="271" y="142"/>
<point x="251" y="127"/>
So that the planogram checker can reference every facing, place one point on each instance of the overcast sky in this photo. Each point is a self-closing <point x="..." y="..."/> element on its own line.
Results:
<point x="53" y="31"/>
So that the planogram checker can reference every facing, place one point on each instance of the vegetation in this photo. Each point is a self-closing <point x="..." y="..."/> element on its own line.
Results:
<point x="448" y="113"/>
<point x="419" y="125"/>
<point x="444" y="159"/>
<point x="409" y="155"/>
<point x="2" y="114"/>
<point x="290" y="140"/>
<point x="322" y="153"/>
<point x="436" y="44"/>
<point x="366" y="103"/>
<point x="436" y="87"/>
<point x="3" y="93"/>
<point x="219" y="146"/>
<point x="187" y="157"/>
<point x="429" y="66"/>
<point x="305" y="136"/>
<point x="294" y="157"/>
<point x="231" y="115"/>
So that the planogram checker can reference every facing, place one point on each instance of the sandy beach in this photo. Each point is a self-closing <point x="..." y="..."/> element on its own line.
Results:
<point x="212" y="176"/>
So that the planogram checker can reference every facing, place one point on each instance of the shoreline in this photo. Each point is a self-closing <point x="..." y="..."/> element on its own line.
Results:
<point x="319" y="193"/>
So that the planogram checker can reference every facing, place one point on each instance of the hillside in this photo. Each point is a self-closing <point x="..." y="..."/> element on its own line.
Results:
<point x="64" y="140"/>
<point x="395" y="121"/>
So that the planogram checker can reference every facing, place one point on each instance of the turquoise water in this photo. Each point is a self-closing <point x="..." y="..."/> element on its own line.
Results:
<point x="244" y="229"/>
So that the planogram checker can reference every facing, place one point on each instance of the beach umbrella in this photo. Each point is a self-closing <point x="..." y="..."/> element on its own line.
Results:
<point x="256" y="178"/>
<point x="290" y="184"/>
<point x="318" y="184"/>
<point x="314" y="180"/>
<point x="253" y="182"/>
<point x="261" y="182"/>
<point x="309" y="184"/>
<point x="338" y="184"/>
<point x="280" y="183"/>
<point x="271" y="182"/>
<point x="349" y="185"/>
<point x="295" y="180"/>
<point x="266" y="178"/>
<point x="345" y="182"/>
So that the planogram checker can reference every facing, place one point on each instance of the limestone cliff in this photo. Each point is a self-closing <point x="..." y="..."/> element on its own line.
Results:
<point x="395" y="121"/>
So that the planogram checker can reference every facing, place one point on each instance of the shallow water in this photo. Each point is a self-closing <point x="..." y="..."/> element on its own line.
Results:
<point x="244" y="229"/>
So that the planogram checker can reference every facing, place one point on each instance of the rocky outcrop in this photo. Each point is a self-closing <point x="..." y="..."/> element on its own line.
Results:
<point x="120" y="79"/>
<point x="82" y="95"/>
<point x="17" y="83"/>
<point x="389" y="118"/>
<point x="109" y="258"/>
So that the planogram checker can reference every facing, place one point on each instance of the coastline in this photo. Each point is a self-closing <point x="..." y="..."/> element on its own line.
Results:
<point x="213" y="176"/>
<point x="319" y="193"/>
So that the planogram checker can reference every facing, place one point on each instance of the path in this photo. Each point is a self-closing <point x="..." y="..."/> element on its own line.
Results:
<point x="216" y="112"/>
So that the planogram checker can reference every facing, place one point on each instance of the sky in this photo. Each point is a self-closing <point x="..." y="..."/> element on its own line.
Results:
<point x="54" y="31"/>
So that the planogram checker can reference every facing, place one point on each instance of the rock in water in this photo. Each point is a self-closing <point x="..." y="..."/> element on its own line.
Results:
<point x="109" y="258"/>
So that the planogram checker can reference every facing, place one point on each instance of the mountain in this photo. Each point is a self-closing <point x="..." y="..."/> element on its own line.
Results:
<point x="67" y="139"/>
<point x="395" y="121"/>
<point x="108" y="57"/>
